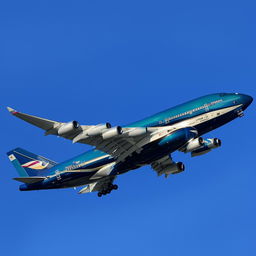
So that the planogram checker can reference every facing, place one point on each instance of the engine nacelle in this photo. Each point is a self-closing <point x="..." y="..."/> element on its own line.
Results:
<point x="213" y="143"/>
<point x="194" y="145"/>
<point x="208" y="145"/>
<point x="112" y="132"/>
<point x="172" y="169"/>
<point x="137" y="132"/>
<point x="69" y="128"/>
<point x="98" y="129"/>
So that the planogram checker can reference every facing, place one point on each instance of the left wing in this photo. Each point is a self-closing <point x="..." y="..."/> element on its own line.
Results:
<point x="68" y="130"/>
<point x="116" y="141"/>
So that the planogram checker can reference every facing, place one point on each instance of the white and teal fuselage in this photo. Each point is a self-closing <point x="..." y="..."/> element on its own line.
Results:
<point x="204" y="114"/>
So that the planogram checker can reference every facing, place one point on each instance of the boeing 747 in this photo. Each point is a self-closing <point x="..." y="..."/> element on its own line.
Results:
<point x="118" y="150"/>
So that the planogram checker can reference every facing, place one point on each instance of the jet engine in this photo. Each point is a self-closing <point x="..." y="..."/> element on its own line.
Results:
<point x="172" y="169"/>
<point x="112" y="132"/>
<point x="207" y="146"/>
<point x="69" y="128"/>
<point x="194" y="145"/>
<point x="98" y="129"/>
<point x="93" y="131"/>
<point x="137" y="131"/>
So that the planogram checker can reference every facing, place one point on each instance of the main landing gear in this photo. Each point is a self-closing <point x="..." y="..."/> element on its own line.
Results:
<point x="108" y="190"/>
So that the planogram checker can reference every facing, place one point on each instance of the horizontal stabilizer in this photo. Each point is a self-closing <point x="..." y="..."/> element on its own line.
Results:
<point x="29" y="180"/>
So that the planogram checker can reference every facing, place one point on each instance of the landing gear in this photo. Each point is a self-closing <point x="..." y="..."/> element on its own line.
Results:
<point x="108" y="190"/>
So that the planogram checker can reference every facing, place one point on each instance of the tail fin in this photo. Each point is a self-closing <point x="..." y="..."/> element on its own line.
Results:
<point x="28" y="164"/>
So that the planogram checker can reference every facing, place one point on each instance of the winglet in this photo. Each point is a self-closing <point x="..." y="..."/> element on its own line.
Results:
<point x="12" y="111"/>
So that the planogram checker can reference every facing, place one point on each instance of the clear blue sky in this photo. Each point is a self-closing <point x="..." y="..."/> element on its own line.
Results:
<point x="119" y="61"/>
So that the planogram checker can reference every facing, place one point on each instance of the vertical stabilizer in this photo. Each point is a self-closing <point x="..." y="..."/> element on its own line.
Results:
<point x="28" y="164"/>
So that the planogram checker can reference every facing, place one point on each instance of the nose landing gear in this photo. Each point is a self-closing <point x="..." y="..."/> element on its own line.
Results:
<point x="108" y="190"/>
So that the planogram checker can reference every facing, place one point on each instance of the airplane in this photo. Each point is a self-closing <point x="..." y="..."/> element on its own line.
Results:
<point x="118" y="150"/>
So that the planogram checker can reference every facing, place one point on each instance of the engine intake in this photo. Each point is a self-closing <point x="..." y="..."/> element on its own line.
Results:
<point x="217" y="142"/>
<point x="194" y="145"/>
<point x="69" y="128"/>
<point x="112" y="132"/>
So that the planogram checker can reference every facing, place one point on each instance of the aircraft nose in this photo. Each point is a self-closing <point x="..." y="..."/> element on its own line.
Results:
<point x="246" y="100"/>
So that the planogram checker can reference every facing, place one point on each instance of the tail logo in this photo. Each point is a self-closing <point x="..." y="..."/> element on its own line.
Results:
<point x="36" y="165"/>
<point x="12" y="157"/>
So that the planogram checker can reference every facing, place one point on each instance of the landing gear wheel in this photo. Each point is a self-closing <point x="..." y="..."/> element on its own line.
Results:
<point x="115" y="187"/>
<point x="109" y="190"/>
<point x="99" y="194"/>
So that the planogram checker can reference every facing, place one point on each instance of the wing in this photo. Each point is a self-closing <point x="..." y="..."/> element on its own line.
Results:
<point x="49" y="126"/>
<point x="119" y="146"/>
<point x="116" y="141"/>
